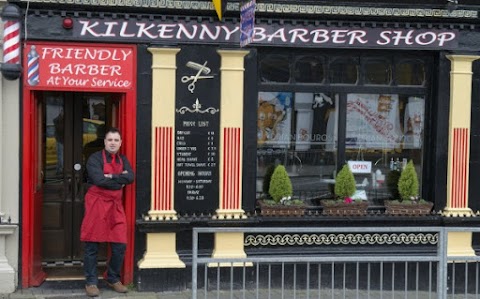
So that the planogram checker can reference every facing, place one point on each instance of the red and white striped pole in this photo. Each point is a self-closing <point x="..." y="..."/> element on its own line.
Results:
<point x="11" y="68"/>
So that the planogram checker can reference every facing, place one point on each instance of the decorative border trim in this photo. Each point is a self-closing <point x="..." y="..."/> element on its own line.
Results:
<point x="278" y="8"/>
<point x="341" y="239"/>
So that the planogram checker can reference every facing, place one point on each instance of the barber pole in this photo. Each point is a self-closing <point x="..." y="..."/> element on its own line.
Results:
<point x="11" y="68"/>
<point x="11" y="42"/>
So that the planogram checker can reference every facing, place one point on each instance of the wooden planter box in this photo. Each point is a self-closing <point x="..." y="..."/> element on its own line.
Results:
<point x="395" y="208"/>
<point x="280" y="210"/>
<point x="344" y="209"/>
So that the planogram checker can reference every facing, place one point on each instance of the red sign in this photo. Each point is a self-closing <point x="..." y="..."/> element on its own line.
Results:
<point x="79" y="66"/>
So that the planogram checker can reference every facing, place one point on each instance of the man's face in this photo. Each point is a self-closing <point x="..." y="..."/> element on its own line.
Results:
<point x="113" y="141"/>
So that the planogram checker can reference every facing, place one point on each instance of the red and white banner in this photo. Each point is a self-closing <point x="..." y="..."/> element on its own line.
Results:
<point x="79" y="66"/>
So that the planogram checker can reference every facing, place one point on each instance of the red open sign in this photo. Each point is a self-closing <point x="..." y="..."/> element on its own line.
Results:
<point x="360" y="166"/>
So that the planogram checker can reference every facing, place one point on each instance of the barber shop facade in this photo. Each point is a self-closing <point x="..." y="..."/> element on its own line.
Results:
<point x="202" y="120"/>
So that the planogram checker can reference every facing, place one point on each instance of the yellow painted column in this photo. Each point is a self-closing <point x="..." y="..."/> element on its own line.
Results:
<point x="163" y="133"/>
<point x="160" y="252"/>
<point x="231" y="134"/>
<point x="230" y="245"/>
<point x="161" y="247"/>
<point x="459" y="135"/>
<point x="459" y="243"/>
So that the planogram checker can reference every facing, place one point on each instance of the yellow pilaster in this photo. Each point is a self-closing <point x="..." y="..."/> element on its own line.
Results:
<point x="161" y="252"/>
<point x="459" y="243"/>
<point x="459" y="135"/>
<point x="228" y="245"/>
<point x="163" y="133"/>
<point x="231" y="125"/>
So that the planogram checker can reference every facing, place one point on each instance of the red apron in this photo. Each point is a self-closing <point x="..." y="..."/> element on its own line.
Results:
<point x="104" y="219"/>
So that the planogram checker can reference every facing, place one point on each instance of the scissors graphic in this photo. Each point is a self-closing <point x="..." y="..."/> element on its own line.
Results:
<point x="201" y="69"/>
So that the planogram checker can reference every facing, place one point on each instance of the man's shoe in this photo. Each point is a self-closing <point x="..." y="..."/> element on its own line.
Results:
<point x="92" y="290"/>
<point x="118" y="287"/>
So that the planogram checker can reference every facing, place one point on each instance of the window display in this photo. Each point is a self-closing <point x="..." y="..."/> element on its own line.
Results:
<point x="313" y="127"/>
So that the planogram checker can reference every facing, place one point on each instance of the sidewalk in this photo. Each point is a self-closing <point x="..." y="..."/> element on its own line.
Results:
<point x="75" y="290"/>
<point x="80" y="294"/>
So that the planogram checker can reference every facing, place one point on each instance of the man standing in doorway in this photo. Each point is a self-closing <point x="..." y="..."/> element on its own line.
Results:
<point x="104" y="220"/>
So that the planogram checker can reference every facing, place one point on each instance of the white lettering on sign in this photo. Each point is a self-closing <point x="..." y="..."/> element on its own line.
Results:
<point x="360" y="166"/>
<point x="285" y="34"/>
<point x="76" y="54"/>
<point x="85" y="66"/>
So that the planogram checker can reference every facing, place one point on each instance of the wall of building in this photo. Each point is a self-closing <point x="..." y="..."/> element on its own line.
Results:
<point x="9" y="181"/>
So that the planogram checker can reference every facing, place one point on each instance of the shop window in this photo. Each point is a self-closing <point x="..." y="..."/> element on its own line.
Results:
<point x="309" y="69"/>
<point x="298" y="130"/>
<point x="410" y="72"/>
<point x="386" y="131"/>
<point x="275" y="68"/>
<point x="344" y="70"/>
<point x="377" y="72"/>
<point x="349" y="111"/>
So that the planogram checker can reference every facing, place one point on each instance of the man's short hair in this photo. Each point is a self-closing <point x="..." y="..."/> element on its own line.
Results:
<point x="113" y="130"/>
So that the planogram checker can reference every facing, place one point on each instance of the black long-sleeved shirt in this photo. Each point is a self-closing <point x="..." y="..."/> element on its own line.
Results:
<point x="95" y="175"/>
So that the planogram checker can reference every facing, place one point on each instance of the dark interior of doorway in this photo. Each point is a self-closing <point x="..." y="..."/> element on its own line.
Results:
<point x="73" y="125"/>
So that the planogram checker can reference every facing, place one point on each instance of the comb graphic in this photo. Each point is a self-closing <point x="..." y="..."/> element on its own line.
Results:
<point x="198" y="66"/>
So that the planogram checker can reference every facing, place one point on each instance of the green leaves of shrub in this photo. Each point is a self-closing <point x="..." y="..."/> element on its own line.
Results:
<point x="345" y="183"/>
<point x="280" y="184"/>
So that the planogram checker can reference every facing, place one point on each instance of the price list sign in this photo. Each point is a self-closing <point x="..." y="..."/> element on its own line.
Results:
<point x="197" y="136"/>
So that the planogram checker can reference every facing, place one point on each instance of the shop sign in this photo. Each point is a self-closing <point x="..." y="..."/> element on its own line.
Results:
<point x="197" y="130"/>
<point x="360" y="166"/>
<point x="303" y="35"/>
<point x="79" y="66"/>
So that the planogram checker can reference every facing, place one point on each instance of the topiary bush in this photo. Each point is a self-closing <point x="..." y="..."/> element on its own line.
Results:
<point x="408" y="183"/>
<point x="266" y="179"/>
<point x="345" y="183"/>
<point x="280" y="184"/>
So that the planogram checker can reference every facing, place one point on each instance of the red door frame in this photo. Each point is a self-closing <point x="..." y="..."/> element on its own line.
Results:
<point x="31" y="275"/>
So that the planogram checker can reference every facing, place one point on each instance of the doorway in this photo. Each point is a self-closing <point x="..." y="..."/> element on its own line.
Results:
<point x="73" y="128"/>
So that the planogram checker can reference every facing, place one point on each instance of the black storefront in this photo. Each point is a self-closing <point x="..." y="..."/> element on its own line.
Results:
<point x="314" y="81"/>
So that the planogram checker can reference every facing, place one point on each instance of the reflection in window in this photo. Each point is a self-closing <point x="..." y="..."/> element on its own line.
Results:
<point x="298" y="130"/>
<point x="377" y="72"/>
<point x="410" y="73"/>
<point x="344" y="71"/>
<point x="309" y="69"/>
<point x="275" y="68"/>
<point x="386" y="130"/>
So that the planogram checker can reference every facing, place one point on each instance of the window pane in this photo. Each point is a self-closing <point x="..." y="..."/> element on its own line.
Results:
<point x="344" y="71"/>
<point x="275" y="68"/>
<point x="378" y="72"/>
<point x="298" y="130"/>
<point x="309" y="69"/>
<point x="387" y="131"/>
<point x="410" y="73"/>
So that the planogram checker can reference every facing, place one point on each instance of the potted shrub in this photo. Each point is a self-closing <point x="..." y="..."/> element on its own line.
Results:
<point x="280" y="191"/>
<point x="408" y="203"/>
<point x="343" y="204"/>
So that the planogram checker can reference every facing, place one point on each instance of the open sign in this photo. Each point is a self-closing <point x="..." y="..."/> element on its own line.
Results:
<point x="360" y="166"/>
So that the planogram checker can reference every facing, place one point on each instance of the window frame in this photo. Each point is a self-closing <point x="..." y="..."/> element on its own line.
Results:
<point x="425" y="90"/>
